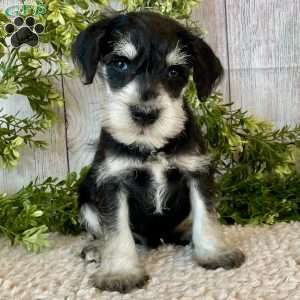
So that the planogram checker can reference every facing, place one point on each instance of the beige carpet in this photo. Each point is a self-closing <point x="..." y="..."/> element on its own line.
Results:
<point x="271" y="272"/>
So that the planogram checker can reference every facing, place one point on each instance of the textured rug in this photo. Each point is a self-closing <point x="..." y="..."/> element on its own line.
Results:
<point x="271" y="272"/>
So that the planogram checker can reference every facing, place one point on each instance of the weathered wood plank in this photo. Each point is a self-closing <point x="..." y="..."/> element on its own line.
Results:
<point x="83" y="120"/>
<point x="210" y="14"/>
<point x="34" y="162"/>
<point x="271" y="94"/>
<point x="263" y="33"/>
<point x="264" y="57"/>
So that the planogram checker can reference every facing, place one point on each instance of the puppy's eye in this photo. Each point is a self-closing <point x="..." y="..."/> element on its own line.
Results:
<point x="120" y="65"/>
<point x="173" y="72"/>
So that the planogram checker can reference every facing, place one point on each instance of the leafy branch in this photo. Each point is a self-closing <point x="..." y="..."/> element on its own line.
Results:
<point x="27" y="216"/>
<point x="258" y="181"/>
<point x="15" y="132"/>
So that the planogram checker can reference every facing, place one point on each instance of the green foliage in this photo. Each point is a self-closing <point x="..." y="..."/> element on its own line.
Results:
<point x="257" y="181"/>
<point x="65" y="18"/>
<point x="27" y="216"/>
<point x="32" y="72"/>
<point x="262" y="197"/>
<point x="15" y="132"/>
<point x="179" y="9"/>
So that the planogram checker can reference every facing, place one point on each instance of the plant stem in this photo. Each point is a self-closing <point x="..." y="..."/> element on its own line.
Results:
<point x="11" y="59"/>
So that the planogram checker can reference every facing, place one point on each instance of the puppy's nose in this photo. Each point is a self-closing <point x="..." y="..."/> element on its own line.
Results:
<point x="143" y="117"/>
<point x="148" y="95"/>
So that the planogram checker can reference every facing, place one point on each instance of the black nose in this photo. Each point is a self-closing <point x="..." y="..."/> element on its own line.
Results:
<point x="144" y="117"/>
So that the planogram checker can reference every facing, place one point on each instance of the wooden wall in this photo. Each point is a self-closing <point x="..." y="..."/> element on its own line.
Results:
<point x="258" y="42"/>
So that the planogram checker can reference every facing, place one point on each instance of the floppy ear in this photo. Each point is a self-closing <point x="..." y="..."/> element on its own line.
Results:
<point x="207" y="68"/>
<point x="86" y="50"/>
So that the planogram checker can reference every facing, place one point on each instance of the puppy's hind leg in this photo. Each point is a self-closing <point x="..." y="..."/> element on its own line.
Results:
<point x="211" y="251"/>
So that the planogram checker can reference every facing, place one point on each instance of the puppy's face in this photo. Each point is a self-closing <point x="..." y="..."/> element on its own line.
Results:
<point x="144" y="61"/>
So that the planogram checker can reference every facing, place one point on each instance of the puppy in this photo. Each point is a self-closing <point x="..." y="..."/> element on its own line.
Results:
<point x="151" y="176"/>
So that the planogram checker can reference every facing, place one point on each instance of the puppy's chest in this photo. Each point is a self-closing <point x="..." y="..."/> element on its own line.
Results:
<point x="158" y="172"/>
<point x="150" y="184"/>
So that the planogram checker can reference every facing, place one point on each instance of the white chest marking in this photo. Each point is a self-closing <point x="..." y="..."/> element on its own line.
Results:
<point x="158" y="169"/>
<point x="117" y="166"/>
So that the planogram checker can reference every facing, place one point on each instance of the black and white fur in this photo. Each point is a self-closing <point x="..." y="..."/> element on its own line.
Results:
<point x="151" y="176"/>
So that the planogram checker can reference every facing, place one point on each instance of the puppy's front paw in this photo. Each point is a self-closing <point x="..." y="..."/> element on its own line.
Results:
<point x="227" y="259"/>
<point x="122" y="282"/>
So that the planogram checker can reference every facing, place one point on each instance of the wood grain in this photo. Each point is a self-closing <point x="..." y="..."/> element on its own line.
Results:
<point x="83" y="121"/>
<point x="263" y="33"/>
<point x="264" y="57"/>
<point x="271" y="94"/>
<point x="210" y="15"/>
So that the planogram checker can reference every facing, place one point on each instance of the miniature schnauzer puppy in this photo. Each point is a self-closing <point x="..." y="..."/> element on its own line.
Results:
<point x="151" y="178"/>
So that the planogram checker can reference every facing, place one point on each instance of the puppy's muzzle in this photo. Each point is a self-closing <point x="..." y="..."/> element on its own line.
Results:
<point x="144" y="117"/>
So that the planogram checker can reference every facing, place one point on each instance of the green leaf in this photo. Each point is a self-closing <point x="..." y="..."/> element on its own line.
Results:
<point x="2" y="51"/>
<point x="82" y="4"/>
<point x="18" y="141"/>
<point x="37" y="213"/>
<point x="35" y="239"/>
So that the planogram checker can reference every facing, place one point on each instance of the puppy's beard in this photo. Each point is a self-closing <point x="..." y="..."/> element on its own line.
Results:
<point x="117" y="120"/>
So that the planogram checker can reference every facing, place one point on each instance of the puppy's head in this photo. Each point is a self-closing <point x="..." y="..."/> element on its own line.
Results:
<point x="144" y="61"/>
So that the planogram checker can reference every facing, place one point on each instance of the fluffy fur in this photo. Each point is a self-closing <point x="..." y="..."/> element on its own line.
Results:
<point x="151" y="177"/>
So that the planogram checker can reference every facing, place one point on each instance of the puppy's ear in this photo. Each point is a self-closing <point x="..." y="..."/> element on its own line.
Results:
<point x="207" y="68"/>
<point x="86" y="50"/>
